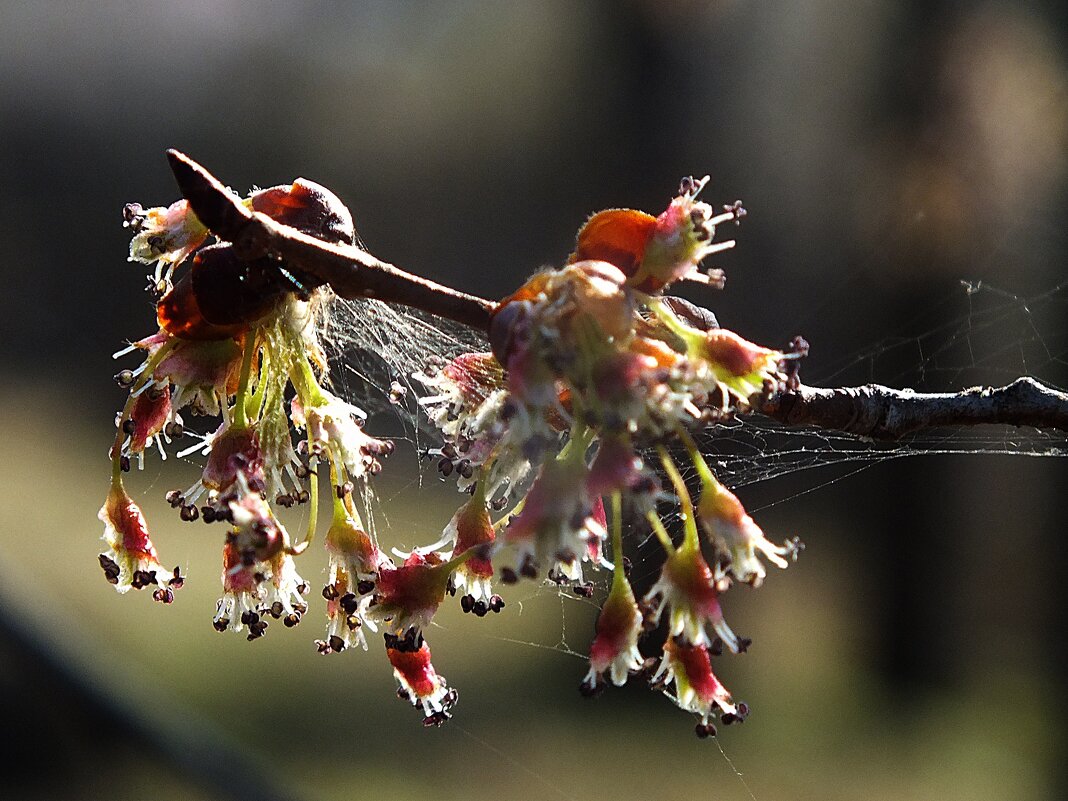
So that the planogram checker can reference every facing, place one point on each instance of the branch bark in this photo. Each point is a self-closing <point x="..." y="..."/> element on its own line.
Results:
<point x="871" y="411"/>
<point x="887" y="414"/>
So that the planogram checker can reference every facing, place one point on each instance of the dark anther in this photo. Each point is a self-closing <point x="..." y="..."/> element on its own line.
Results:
<point x="583" y="590"/>
<point x="499" y="504"/>
<point x="291" y="620"/>
<point x="365" y="586"/>
<point x="221" y="624"/>
<point x="174" y="498"/>
<point x="737" y="209"/>
<point x="716" y="648"/>
<point x="178" y="580"/>
<point x="403" y="694"/>
<point x="529" y="568"/>
<point x="686" y="185"/>
<point x="133" y="216"/>
<point x="174" y="430"/>
<point x="480" y="608"/>
<point x="208" y="513"/>
<point x="705" y="730"/>
<point x="277" y="609"/>
<point x="189" y="513"/>
<point x="128" y="425"/>
<point x="508" y="576"/>
<point x="125" y="378"/>
<point x="124" y="464"/>
<point x="163" y="595"/>
<point x="465" y="469"/>
<point x="627" y="566"/>
<point x="436" y="719"/>
<point x="330" y="592"/>
<point x="349" y="603"/>
<point x="285" y="500"/>
<point x="467" y="603"/>
<point x="496" y="603"/>
<point x="304" y="496"/>
<point x="445" y="466"/>
<point x="336" y="643"/>
<point x="587" y="690"/>
<point x="743" y="644"/>
<point x="344" y="489"/>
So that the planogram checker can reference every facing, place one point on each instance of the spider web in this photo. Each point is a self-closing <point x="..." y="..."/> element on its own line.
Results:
<point x="992" y="337"/>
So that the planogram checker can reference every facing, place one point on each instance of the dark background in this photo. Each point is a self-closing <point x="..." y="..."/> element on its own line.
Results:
<point x="886" y="151"/>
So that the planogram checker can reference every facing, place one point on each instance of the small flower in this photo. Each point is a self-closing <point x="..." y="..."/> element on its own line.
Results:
<point x="164" y="236"/>
<point x="736" y="536"/>
<point x="335" y="426"/>
<point x="552" y="526"/>
<point x="150" y="418"/>
<point x="697" y="689"/>
<point x="282" y="593"/>
<point x="469" y="528"/>
<point x="614" y="650"/>
<point x="689" y="589"/>
<point x="737" y="363"/>
<point x="656" y="251"/>
<point x="418" y="682"/>
<point x="353" y="568"/>
<point x="257" y="535"/>
<point x="131" y="561"/>
<point x="240" y="603"/>
<point x="407" y="597"/>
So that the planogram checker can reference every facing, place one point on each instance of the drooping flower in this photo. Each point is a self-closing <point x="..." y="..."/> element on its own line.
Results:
<point x="406" y="597"/>
<point x="688" y="589"/>
<point x="241" y="600"/>
<point x="736" y="536"/>
<point x="614" y="652"/>
<point x="471" y="527"/>
<point x="697" y="689"/>
<point x="130" y="561"/>
<point x="418" y="682"/>
<point x="354" y="562"/>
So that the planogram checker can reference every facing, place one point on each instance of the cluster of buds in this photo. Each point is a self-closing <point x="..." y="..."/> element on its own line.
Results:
<point x="591" y="370"/>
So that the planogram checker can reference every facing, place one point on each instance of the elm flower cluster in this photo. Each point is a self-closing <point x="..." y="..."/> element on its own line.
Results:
<point x="595" y="369"/>
<point x="591" y="370"/>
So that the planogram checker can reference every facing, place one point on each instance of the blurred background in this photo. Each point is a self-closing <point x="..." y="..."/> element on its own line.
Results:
<point x="886" y="151"/>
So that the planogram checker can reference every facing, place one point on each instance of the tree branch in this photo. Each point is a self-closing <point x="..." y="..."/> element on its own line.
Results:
<point x="883" y="413"/>
<point x="870" y="411"/>
<point x="351" y="272"/>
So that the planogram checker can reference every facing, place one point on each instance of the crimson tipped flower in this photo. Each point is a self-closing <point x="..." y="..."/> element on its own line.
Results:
<point x="614" y="652"/>
<point x="697" y="689"/>
<point x="418" y="682"/>
<point x="130" y="561"/>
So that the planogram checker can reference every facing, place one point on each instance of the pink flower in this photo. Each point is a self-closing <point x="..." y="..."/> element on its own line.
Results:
<point x="690" y="591"/>
<point x="131" y="561"/>
<point x="469" y="528"/>
<point x="407" y="597"/>
<point x="697" y="689"/>
<point x="737" y="536"/>
<point x="418" y="682"/>
<point x="354" y="562"/>
<point x="614" y="650"/>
